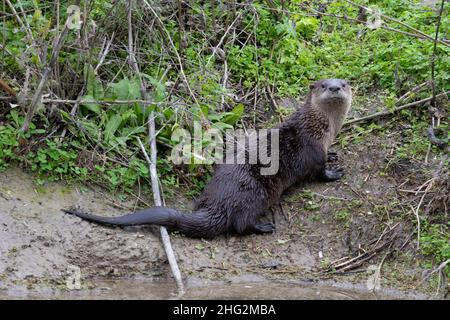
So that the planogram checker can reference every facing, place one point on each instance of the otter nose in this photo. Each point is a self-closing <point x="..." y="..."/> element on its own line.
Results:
<point x="334" y="88"/>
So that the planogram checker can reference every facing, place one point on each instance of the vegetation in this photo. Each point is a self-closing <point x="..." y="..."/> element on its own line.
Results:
<point x="225" y="64"/>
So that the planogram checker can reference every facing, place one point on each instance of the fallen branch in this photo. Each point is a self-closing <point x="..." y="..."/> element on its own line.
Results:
<point x="440" y="271"/>
<point x="101" y="102"/>
<point x="152" y="161"/>
<point x="357" y="261"/>
<point x="411" y="91"/>
<point x="157" y="200"/>
<point x="389" y="112"/>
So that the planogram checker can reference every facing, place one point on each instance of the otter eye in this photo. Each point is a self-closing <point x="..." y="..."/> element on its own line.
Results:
<point x="343" y="86"/>
<point x="323" y="86"/>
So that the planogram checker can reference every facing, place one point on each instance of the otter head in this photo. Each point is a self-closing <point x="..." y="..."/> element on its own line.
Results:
<point x="331" y="93"/>
<point x="333" y="97"/>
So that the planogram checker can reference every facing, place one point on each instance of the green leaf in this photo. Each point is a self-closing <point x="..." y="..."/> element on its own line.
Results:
<point x="159" y="93"/>
<point x="200" y="247"/>
<point x="222" y="125"/>
<point x="125" y="89"/>
<point x="235" y="114"/>
<point x="111" y="126"/>
<point x="134" y="89"/>
<point x="120" y="89"/>
<point x="94" y="86"/>
<point x="94" y="107"/>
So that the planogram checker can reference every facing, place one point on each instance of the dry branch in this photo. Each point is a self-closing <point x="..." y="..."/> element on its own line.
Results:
<point x="377" y="247"/>
<point x="413" y="90"/>
<point x="183" y="74"/>
<point x="223" y="38"/>
<point x="152" y="161"/>
<point x="389" y="112"/>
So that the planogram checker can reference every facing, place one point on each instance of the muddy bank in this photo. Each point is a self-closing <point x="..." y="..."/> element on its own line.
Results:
<point x="41" y="247"/>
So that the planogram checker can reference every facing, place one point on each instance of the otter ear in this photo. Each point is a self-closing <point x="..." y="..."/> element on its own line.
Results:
<point x="311" y="86"/>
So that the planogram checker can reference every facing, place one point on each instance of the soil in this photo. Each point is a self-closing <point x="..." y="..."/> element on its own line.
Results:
<point x="319" y="223"/>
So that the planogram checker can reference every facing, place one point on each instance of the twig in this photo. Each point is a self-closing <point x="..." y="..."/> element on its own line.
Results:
<point x="223" y="38"/>
<point x="152" y="161"/>
<point x="416" y="213"/>
<point x="377" y="275"/>
<point x="386" y="113"/>
<point x="24" y="17"/>
<point x="366" y="255"/>
<point x="224" y="83"/>
<point x="274" y="102"/>
<point x="433" y="57"/>
<point x="438" y="269"/>
<point x="413" y="90"/>
<point x="104" y="52"/>
<point x="102" y="102"/>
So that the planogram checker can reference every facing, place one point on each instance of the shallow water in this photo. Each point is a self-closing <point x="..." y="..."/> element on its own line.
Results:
<point x="151" y="290"/>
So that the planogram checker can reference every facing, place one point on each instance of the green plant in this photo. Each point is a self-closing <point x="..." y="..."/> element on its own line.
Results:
<point x="8" y="142"/>
<point x="435" y="243"/>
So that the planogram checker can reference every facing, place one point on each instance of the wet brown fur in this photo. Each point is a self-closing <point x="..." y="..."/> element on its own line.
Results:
<point x="237" y="194"/>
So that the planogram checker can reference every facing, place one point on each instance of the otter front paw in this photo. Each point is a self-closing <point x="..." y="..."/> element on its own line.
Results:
<point x="264" y="228"/>
<point x="331" y="174"/>
<point x="334" y="174"/>
<point x="332" y="156"/>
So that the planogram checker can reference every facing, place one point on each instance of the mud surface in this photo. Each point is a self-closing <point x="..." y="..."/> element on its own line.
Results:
<point x="41" y="247"/>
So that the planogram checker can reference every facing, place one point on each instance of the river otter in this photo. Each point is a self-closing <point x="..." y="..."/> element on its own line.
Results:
<point x="238" y="195"/>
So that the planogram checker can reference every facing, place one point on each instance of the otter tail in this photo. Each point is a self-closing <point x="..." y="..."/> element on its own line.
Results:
<point x="195" y="224"/>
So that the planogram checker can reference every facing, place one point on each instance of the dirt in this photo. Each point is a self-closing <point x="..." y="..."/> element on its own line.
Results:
<point x="40" y="245"/>
<point x="42" y="249"/>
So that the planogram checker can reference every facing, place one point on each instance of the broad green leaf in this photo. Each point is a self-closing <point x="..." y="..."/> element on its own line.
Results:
<point x="94" y="107"/>
<point x="159" y="93"/>
<point x="120" y="89"/>
<point x="111" y="126"/>
<point x="234" y="115"/>
<point x="222" y="125"/>
<point x="125" y="89"/>
<point x="134" y="90"/>
<point x="94" y="86"/>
